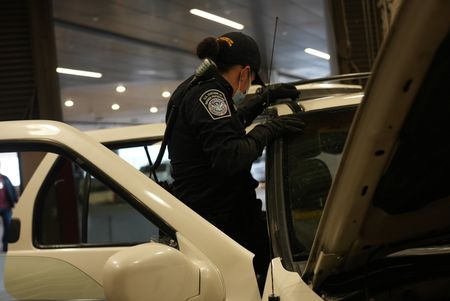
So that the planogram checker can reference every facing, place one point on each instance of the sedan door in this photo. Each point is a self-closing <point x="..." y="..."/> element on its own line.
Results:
<point x="73" y="218"/>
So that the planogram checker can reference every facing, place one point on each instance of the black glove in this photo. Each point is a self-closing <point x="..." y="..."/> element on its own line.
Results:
<point x="272" y="129"/>
<point x="278" y="91"/>
<point x="248" y="110"/>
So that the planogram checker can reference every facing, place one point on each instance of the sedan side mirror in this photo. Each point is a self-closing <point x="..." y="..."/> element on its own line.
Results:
<point x="154" y="271"/>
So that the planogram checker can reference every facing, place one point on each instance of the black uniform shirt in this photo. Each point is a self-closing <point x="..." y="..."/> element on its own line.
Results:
<point x="210" y="153"/>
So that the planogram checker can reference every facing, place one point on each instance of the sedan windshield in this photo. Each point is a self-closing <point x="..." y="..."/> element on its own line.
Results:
<point x="310" y="162"/>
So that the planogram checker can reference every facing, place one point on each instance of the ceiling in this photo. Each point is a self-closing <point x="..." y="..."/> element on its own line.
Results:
<point x="148" y="46"/>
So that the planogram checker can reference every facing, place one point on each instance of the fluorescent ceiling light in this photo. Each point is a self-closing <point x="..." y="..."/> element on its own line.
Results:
<point x="78" y="72"/>
<point x="69" y="103"/>
<point x="115" y="107"/>
<point x="165" y="94"/>
<point x="317" y="53"/>
<point x="215" y="18"/>
<point x="147" y="72"/>
<point x="154" y="110"/>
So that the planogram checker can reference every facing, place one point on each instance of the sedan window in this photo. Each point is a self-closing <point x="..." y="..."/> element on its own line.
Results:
<point x="76" y="207"/>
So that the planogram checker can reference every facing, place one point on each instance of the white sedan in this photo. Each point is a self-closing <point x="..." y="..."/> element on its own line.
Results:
<point x="348" y="202"/>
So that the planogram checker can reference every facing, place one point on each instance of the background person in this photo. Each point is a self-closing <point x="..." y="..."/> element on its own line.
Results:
<point x="8" y="198"/>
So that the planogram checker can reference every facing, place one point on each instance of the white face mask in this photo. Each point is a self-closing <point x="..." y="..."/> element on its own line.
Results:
<point x="239" y="96"/>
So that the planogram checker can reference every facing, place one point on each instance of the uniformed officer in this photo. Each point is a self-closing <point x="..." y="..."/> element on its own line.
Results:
<point x="210" y="152"/>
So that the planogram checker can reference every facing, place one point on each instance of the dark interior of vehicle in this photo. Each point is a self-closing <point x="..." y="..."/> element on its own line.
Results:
<point x="414" y="278"/>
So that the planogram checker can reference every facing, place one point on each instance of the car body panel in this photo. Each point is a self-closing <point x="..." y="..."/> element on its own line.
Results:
<point x="47" y="274"/>
<point x="287" y="285"/>
<point x="332" y="101"/>
<point x="129" y="134"/>
<point x="320" y="88"/>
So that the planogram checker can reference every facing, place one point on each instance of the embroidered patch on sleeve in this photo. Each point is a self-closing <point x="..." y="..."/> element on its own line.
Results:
<point x="215" y="103"/>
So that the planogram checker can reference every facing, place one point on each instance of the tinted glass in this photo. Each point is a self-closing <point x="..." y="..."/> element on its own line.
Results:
<point x="76" y="207"/>
<point x="310" y="162"/>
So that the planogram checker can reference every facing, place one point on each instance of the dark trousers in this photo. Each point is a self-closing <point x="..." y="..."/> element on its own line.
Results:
<point x="251" y="232"/>
<point x="6" y="214"/>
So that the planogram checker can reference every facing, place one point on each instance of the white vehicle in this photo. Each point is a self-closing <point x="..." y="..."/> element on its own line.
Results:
<point x="349" y="201"/>
<point x="74" y="215"/>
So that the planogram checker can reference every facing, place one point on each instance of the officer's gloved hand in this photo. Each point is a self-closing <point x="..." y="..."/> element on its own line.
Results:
<point x="284" y="124"/>
<point x="251" y="107"/>
<point x="277" y="127"/>
<point x="278" y="91"/>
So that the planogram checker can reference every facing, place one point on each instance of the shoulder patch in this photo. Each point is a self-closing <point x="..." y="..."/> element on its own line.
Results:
<point x="215" y="103"/>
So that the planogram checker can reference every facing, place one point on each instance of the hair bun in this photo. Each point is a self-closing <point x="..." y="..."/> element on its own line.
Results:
<point x="208" y="48"/>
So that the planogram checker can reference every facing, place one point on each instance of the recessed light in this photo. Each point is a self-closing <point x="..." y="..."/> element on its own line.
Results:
<point x="153" y="110"/>
<point x="165" y="94"/>
<point x="69" y="103"/>
<point x="216" y="18"/>
<point x="317" y="53"/>
<point x="120" y="88"/>
<point x="78" y="72"/>
<point x="115" y="107"/>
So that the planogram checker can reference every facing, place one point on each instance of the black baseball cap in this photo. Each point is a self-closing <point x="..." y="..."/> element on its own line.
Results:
<point x="241" y="49"/>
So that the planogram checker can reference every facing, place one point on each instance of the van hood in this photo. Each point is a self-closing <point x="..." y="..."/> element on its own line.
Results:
<point x="392" y="189"/>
